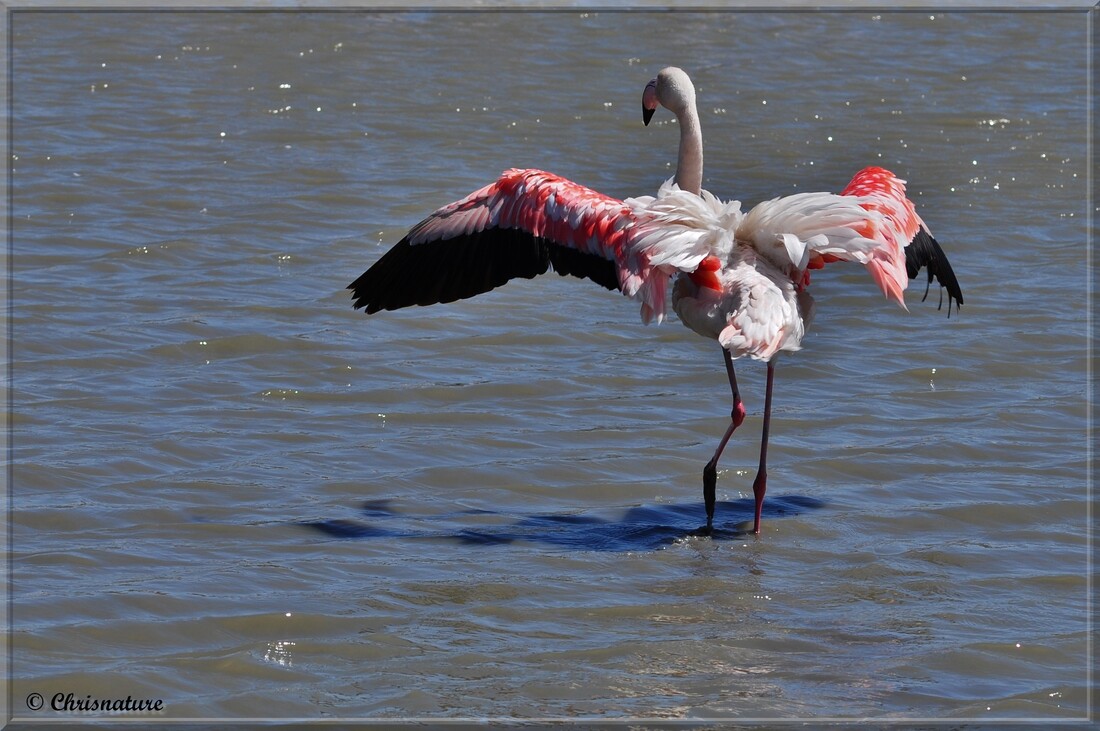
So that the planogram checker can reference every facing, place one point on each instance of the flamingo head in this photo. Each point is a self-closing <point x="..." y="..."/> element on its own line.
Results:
<point x="672" y="89"/>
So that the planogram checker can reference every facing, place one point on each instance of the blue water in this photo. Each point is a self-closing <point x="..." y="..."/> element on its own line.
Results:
<point x="233" y="493"/>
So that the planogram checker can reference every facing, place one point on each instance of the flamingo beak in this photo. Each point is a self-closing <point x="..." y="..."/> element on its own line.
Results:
<point x="649" y="101"/>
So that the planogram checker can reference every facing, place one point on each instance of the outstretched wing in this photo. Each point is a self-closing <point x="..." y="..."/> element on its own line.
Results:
<point x="519" y="226"/>
<point x="806" y="230"/>
<point x="870" y="222"/>
<point x="908" y="244"/>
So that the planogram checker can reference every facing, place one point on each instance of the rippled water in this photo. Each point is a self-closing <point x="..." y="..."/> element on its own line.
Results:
<point x="233" y="493"/>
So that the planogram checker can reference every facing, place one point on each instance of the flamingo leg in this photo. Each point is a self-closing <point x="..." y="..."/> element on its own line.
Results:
<point x="737" y="415"/>
<point x="760" y="484"/>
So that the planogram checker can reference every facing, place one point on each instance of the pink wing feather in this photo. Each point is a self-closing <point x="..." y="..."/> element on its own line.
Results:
<point x="884" y="193"/>
<point x="907" y="244"/>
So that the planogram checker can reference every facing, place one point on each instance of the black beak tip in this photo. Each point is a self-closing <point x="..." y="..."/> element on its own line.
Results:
<point x="647" y="114"/>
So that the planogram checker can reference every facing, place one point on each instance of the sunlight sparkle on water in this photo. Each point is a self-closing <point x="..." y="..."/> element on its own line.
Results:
<point x="279" y="652"/>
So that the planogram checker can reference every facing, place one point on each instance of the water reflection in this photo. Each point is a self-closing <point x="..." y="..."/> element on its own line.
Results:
<point x="640" y="528"/>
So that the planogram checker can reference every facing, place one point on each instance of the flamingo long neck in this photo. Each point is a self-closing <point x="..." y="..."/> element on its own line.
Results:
<point x="689" y="164"/>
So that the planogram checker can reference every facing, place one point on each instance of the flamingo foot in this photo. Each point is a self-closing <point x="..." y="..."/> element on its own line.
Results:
<point x="759" y="487"/>
<point x="710" y="481"/>
<point x="710" y="472"/>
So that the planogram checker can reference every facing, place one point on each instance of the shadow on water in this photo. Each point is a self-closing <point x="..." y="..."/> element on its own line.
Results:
<point x="641" y="528"/>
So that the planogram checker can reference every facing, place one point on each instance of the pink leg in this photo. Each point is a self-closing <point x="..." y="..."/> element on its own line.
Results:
<point x="710" y="472"/>
<point x="760" y="484"/>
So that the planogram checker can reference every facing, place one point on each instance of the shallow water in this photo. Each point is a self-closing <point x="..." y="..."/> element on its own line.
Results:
<point x="233" y="493"/>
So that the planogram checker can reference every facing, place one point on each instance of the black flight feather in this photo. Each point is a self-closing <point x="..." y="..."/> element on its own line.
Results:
<point x="924" y="251"/>
<point x="442" y="271"/>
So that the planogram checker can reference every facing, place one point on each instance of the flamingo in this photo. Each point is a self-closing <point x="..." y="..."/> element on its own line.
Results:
<point x="737" y="277"/>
